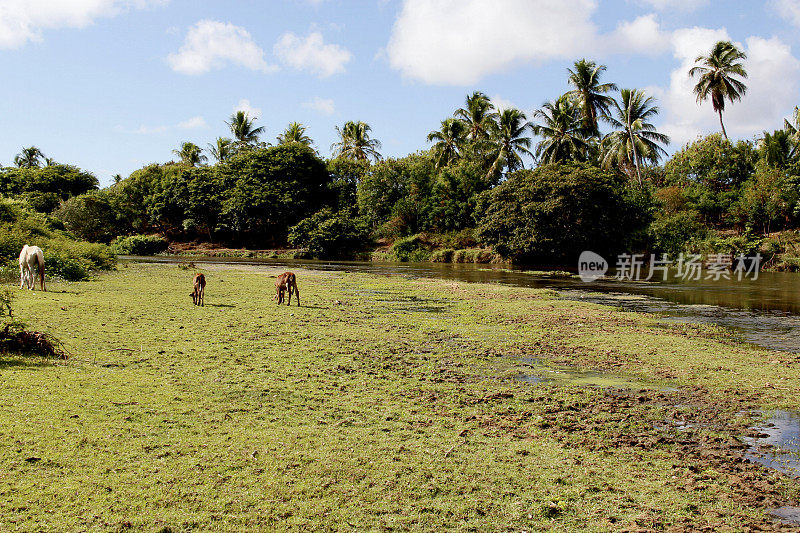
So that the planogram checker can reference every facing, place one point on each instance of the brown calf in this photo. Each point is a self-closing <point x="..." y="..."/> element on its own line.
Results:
<point x="286" y="281"/>
<point x="199" y="289"/>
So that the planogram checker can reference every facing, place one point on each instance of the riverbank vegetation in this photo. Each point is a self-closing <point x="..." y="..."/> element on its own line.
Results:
<point x="588" y="170"/>
<point x="379" y="403"/>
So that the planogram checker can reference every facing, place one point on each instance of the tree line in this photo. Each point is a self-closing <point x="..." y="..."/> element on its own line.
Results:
<point x="599" y="178"/>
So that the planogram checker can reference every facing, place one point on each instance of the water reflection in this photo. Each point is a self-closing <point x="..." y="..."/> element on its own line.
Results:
<point x="777" y="445"/>
<point x="765" y="311"/>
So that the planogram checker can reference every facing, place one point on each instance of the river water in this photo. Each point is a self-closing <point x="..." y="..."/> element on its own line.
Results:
<point x="765" y="311"/>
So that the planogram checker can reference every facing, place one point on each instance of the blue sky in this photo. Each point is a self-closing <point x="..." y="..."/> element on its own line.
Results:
<point x="112" y="85"/>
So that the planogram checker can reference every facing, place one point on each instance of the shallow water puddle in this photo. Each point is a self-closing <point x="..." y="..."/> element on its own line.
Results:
<point x="538" y="372"/>
<point x="775" y="443"/>
<point x="789" y="515"/>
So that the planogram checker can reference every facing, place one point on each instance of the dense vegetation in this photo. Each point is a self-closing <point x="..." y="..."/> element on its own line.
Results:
<point x="598" y="181"/>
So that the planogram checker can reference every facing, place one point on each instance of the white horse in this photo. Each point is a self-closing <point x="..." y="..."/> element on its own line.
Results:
<point x="29" y="258"/>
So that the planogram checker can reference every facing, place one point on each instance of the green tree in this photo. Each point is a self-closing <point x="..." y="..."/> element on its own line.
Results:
<point x="190" y="154"/>
<point x="479" y="116"/>
<point x="243" y="128"/>
<point x="449" y="141"/>
<point x="590" y="93"/>
<point x="268" y="190"/>
<point x="355" y="142"/>
<point x="345" y="175"/>
<point x="295" y="133"/>
<point x="328" y="234"/>
<point x="717" y="77"/>
<point x="510" y="142"/>
<point x="90" y="217"/>
<point x="635" y="140"/>
<point x="30" y="157"/>
<point x="564" y="138"/>
<point x="222" y="149"/>
<point x="556" y="211"/>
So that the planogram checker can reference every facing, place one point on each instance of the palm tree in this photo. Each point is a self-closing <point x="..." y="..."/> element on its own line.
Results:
<point x="222" y="150"/>
<point x="589" y="92"/>
<point x="295" y="133"/>
<point x="564" y="138"/>
<point x="449" y="141"/>
<point x="190" y="154"/>
<point x="510" y="141"/>
<point x="793" y="127"/>
<point x="241" y="126"/>
<point x="635" y="139"/>
<point x="479" y="116"/>
<point x="29" y="158"/>
<point x="355" y="142"/>
<point x="717" y="71"/>
<point x="778" y="149"/>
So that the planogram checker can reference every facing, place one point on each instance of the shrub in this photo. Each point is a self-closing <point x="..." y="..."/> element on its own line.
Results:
<point x="327" y="234"/>
<point x="89" y="216"/>
<point x="139" y="245"/>
<point x="555" y="212"/>
<point x="410" y="249"/>
<point x="671" y="234"/>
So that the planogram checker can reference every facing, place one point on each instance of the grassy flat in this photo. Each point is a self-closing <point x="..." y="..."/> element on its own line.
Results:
<point x="381" y="403"/>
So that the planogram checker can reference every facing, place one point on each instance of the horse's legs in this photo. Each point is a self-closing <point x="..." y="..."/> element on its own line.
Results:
<point x="21" y="275"/>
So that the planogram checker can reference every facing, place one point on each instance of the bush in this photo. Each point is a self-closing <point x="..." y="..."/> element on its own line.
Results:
<point x="330" y="235"/>
<point x="89" y="216"/>
<point x="139" y="245"/>
<point x="672" y="234"/>
<point x="553" y="213"/>
<point x="411" y="249"/>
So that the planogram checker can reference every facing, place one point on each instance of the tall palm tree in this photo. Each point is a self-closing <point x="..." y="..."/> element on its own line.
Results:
<point x="30" y="157"/>
<point x="449" y="141"/>
<point x="635" y="139"/>
<point x="793" y="127"/>
<point x="222" y="150"/>
<point x="241" y="126"/>
<point x="510" y="141"/>
<point x="479" y="115"/>
<point x="355" y="142"/>
<point x="589" y="92"/>
<point x="564" y="137"/>
<point x="190" y="154"/>
<point x="717" y="73"/>
<point x="295" y="133"/>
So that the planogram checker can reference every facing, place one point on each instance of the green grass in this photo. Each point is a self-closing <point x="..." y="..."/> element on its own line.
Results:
<point x="381" y="403"/>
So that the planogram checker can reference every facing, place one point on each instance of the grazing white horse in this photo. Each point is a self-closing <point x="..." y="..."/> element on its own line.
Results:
<point x="31" y="258"/>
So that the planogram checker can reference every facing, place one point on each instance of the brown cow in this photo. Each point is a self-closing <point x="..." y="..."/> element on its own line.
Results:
<point x="199" y="289"/>
<point x="284" y="282"/>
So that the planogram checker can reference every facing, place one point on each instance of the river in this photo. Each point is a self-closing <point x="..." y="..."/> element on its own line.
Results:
<point x="765" y="311"/>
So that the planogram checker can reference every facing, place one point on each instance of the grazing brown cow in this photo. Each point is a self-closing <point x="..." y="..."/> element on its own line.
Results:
<point x="286" y="281"/>
<point x="199" y="290"/>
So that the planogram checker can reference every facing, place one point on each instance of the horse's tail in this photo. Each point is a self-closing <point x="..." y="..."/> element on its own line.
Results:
<point x="40" y="260"/>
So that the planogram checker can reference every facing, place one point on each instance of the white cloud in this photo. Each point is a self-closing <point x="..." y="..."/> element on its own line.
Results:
<point x="193" y="123"/>
<point x="244" y="105"/>
<point x="324" y="106"/>
<point x="147" y="130"/>
<point x="642" y="35"/>
<point x="210" y="44"/>
<point x="773" y="82"/>
<point x="311" y="54"/>
<point x="457" y="42"/>
<point x="674" y="5"/>
<point x="501" y="103"/>
<point x="24" y="20"/>
<point x="788" y="9"/>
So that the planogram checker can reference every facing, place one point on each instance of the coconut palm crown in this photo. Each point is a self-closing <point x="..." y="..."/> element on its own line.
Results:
<point x="589" y="92"/>
<point x="635" y="139"/>
<point x="717" y="77"/>
<point x="355" y="142"/>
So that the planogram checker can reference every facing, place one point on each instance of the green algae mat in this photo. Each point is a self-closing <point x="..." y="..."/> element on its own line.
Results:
<point x="382" y="403"/>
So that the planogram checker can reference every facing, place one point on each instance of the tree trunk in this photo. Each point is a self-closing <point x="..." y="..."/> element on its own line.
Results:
<point x="724" y="134"/>
<point x="635" y="156"/>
